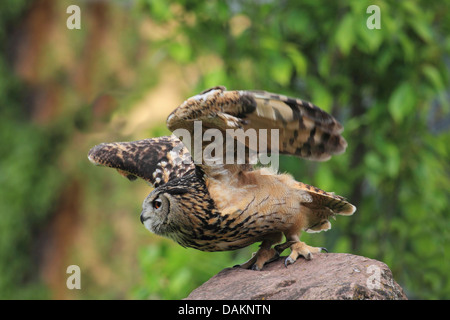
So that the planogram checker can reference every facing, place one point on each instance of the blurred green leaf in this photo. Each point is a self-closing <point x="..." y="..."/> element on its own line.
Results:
<point x="298" y="59"/>
<point x="160" y="10"/>
<point x="325" y="178"/>
<point x="180" y="52"/>
<point x="345" y="34"/>
<point x="216" y="76"/>
<point x="320" y="95"/>
<point x="392" y="163"/>
<point x="407" y="46"/>
<point x="402" y="102"/>
<point x="281" y="71"/>
<point x="324" y="65"/>
<point x="422" y="28"/>
<point x="433" y="75"/>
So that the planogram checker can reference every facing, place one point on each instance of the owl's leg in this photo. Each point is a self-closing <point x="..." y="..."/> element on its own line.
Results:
<point x="265" y="254"/>
<point x="299" y="248"/>
<point x="283" y="246"/>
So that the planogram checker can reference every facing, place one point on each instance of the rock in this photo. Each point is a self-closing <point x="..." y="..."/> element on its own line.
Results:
<point x="327" y="276"/>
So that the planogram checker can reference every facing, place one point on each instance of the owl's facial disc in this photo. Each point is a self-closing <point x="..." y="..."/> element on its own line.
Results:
<point x="155" y="209"/>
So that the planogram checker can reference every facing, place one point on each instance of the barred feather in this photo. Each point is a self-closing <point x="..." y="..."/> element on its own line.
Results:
<point x="155" y="160"/>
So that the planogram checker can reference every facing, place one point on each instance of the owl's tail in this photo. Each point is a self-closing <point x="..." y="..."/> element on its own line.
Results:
<point x="326" y="203"/>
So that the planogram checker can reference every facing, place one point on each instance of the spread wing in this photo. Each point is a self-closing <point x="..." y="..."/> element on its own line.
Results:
<point x="301" y="128"/>
<point x="208" y="122"/>
<point x="156" y="160"/>
<point x="305" y="130"/>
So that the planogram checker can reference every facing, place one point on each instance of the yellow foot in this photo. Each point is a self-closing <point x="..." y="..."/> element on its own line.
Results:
<point x="260" y="258"/>
<point x="302" y="249"/>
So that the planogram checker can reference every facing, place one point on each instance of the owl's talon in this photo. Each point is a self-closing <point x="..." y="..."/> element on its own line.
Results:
<point x="255" y="267"/>
<point x="263" y="255"/>
<point x="302" y="249"/>
<point x="288" y="261"/>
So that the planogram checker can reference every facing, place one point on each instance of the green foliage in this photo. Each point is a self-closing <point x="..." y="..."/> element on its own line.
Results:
<point x="30" y="181"/>
<point x="388" y="87"/>
<point x="384" y="85"/>
<point x="171" y="272"/>
<point x="27" y="178"/>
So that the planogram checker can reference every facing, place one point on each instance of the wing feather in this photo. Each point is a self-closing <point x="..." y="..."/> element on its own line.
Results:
<point x="304" y="130"/>
<point x="155" y="160"/>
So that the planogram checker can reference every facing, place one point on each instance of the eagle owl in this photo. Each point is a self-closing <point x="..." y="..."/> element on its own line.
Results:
<point x="214" y="205"/>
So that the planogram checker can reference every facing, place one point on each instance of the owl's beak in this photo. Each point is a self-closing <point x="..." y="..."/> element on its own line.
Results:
<point x="143" y="217"/>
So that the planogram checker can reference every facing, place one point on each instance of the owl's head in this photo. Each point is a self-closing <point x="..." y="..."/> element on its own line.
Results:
<point x="161" y="210"/>
<point x="178" y="208"/>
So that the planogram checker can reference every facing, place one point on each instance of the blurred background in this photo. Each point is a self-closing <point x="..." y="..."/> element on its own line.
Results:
<point x="132" y="62"/>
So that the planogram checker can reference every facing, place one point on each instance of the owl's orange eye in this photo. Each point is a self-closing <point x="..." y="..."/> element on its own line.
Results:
<point x="157" y="203"/>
